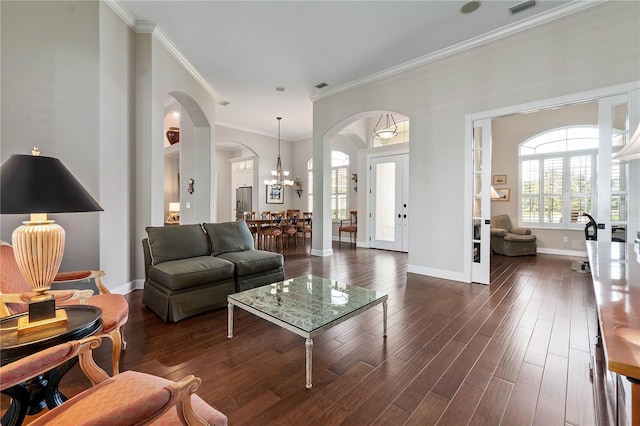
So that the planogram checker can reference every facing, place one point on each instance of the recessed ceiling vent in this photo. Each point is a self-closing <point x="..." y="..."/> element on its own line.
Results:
<point x="521" y="7"/>
<point x="321" y="85"/>
<point x="224" y="103"/>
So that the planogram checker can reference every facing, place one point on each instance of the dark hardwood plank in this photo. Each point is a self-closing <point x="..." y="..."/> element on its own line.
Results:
<point x="514" y="352"/>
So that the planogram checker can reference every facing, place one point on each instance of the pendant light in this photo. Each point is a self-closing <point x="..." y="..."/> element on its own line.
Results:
<point x="389" y="130"/>
<point x="278" y="174"/>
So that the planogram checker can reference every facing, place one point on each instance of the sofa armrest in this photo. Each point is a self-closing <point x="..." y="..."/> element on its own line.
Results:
<point x="520" y="231"/>
<point x="497" y="232"/>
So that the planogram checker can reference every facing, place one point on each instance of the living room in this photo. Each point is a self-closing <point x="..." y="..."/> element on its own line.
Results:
<point x="93" y="90"/>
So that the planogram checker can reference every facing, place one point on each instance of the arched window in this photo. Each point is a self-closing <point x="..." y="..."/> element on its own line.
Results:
<point x="339" y="185"/>
<point x="558" y="177"/>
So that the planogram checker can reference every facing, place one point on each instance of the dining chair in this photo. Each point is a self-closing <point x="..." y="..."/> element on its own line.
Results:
<point x="290" y="227"/>
<point x="273" y="231"/>
<point x="115" y="309"/>
<point x="349" y="225"/>
<point x="128" y="398"/>
<point x="305" y="225"/>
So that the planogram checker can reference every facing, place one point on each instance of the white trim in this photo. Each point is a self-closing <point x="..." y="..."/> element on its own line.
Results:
<point x="561" y="252"/>
<point x="141" y="27"/>
<point x="121" y="12"/>
<point x="437" y="273"/>
<point x="322" y="253"/>
<point x="574" y="98"/>
<point x="127" y="288"/>
<point x="543" y="18"/>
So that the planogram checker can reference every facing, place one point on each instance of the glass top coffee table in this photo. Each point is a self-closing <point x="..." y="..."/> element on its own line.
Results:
<point x="307" y="306"/>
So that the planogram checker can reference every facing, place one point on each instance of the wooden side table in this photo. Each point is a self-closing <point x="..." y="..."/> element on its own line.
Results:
<point x="31" y="398"/>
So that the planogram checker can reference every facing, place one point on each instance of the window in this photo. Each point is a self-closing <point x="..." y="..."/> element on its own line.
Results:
<point x="558" y="177"/>
<point x="339" y="185"/>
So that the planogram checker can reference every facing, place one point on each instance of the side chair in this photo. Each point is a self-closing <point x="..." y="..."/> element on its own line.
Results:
<point x="349" y="225"/>
<point x="15" y="293"/>
<point x="126" y="399"/>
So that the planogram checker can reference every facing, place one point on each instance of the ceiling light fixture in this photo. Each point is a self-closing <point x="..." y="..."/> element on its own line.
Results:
<point x="278" y="174"/>
<point x="389" y="130"/>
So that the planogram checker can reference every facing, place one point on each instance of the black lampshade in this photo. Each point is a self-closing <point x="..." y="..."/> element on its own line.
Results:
<point x="36" y="184"/>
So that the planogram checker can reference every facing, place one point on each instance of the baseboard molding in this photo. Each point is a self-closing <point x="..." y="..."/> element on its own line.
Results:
<point x="438" y="273"/>
<point x="321" y="253"/>
<point x="560" y="252"/>
<point x="127" y="288"/>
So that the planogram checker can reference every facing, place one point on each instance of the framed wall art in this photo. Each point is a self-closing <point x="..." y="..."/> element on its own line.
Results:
<point x="499" y="180"/>
<point x="275" y="194"/>
<point x="503" y="193"/>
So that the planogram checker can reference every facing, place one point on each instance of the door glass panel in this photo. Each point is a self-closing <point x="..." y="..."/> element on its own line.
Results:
<point x="385" y="201"/>
<point x="619" y="136"/>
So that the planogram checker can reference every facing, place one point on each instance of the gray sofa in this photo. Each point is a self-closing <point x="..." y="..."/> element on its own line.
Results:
<point x="190" y="269"/>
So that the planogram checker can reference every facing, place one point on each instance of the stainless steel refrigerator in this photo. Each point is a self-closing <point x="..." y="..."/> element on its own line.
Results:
<point x="243" y="201"/>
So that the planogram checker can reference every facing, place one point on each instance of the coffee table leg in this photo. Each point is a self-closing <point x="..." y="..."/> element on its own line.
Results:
<point x="309" y="346"/>
<point x="384" y="317"/>
<point x="230" y="321"/>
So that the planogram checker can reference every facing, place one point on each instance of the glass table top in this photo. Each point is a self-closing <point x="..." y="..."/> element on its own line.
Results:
<point x="308" y="302"/>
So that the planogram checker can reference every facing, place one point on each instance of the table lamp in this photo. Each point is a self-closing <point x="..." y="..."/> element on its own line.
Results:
<point x="39" y="185"/>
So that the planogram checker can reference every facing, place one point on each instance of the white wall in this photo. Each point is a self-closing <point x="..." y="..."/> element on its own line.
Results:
<point x="591" y="49"/>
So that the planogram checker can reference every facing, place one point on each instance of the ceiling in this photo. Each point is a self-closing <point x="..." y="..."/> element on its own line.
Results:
<point x="246" y="49"/>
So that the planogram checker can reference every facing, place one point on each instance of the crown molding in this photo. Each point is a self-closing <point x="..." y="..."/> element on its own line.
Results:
<point x="121" y="12"/>
<point x="556" y="13"/>
<point x="140" y="27"/>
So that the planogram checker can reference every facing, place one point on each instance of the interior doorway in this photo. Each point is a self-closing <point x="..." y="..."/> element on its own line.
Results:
<point x="535" y="201"/>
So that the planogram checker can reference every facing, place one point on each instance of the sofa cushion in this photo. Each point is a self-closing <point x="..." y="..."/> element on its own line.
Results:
<point x="192" y="272"/>
<point x="229" y="237"/>
<point x="168" y="243"/>
<point x="253" y="261"/>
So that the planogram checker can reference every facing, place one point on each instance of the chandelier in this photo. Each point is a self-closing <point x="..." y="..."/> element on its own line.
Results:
<point x="389" y="130"/>
<point x="279" y="176"/>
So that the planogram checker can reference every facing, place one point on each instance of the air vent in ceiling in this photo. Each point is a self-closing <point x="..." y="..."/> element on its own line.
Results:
<point x="321" y="85"/>
<point x="520" y="7"/>
<point x="224" y="103"/>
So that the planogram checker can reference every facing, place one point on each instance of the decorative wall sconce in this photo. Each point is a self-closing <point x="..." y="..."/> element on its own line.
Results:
<point x="297" y="184"/>
<point x="190" y="183"/>
<point x="354" y="178"/>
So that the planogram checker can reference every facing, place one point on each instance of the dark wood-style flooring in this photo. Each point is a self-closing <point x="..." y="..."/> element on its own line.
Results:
<point x="515" y="352"/>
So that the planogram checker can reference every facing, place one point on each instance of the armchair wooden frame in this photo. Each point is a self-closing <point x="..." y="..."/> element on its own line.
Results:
<point x="180" y="392"/>
<point x="115" y="308"/>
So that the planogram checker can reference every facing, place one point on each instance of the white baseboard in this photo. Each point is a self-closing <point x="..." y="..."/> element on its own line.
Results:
<point x="321" y="253"/>
<point x="560" y="252"/>
<point x="127" y="288"/>
<point x="438" y="273"/>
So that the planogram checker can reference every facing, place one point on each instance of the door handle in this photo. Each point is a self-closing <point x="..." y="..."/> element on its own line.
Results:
<point x="399" y="215"/>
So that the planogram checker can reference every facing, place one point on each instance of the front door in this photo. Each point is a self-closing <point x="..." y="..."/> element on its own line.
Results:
<point x="389" y="202"/>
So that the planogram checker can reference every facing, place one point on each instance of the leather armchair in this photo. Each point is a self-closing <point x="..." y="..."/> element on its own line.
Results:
<point x="511" y="240"/>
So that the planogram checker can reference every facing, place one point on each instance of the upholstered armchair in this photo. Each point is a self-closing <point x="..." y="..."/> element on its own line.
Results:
<point x="126" y="399"/>
<point x="15" y="293"/>
<point x="511" y="240"/>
